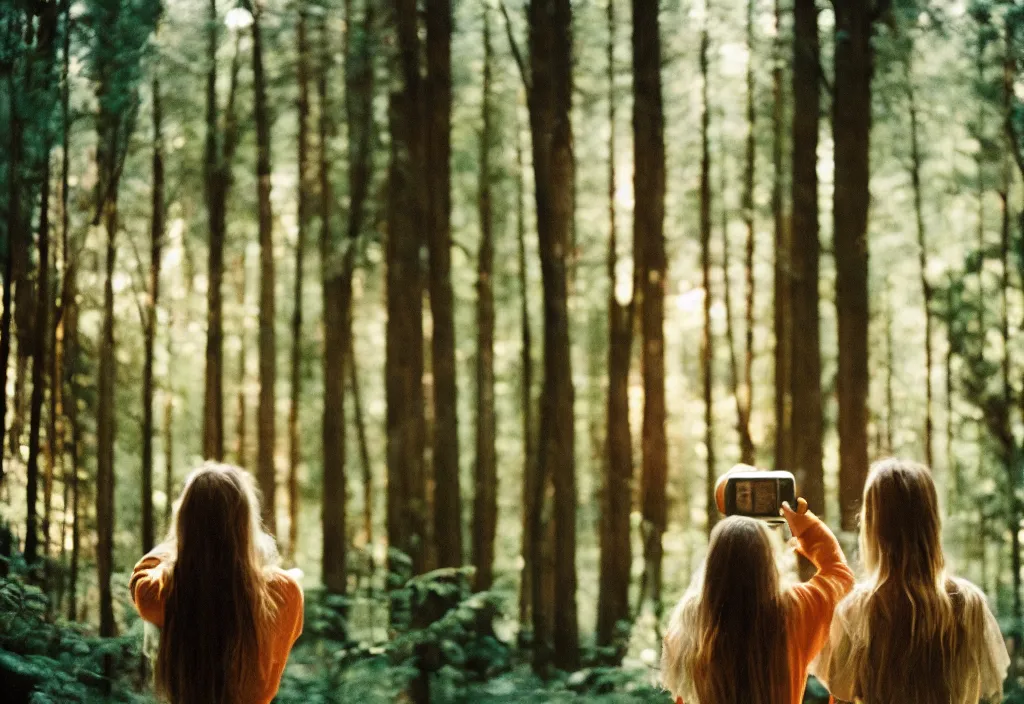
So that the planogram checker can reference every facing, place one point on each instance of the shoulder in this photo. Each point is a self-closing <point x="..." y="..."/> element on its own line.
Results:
<point x="284" y="587"/>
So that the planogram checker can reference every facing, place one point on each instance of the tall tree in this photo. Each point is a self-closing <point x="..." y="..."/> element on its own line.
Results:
<point x="40" y="335"/>
<point x="530" y="467"/>
<point x="617" y="490"/>
<point x="746" y="397"/>
<point x="550" y="101"/>
<point x="152" y="299"/>
<point x="215" y="192"/>
<point x="803" y="326"/>
<point x="783" y="283"/>
<point x="851" y="133"/>
<point x="305" y="187"/>
<point x="649" y="251"/>
<point x="485" y="497"/>
<point x="359" y="96"/>
<point x="706" y="340"/>
<point x="438" y="98"/>
<point x="922" y="247"/>
<point x="267" y="436"/>
<point x="241" y="456"/>
<point x="120" y="33"/>
<point x="407" y="210"/>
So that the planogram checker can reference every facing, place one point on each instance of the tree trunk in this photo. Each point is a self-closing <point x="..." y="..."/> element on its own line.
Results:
<point x="105" y="429"/>
<point x="747" y="385"/>
<point x="851" y="130"/>
<point x="156" y="245"/>
<point x="364" y="448"/>
<point x="40" y="333"/>
<point x="617" y="490"/>
<point x="805" y="350"/>
<point x="485" y="498"/>
<point x="359" y="95"/>
<point x="407" y="211"/>
<point x="215" y="192"/>
<point x="553" y="162"/>
<point x="1013" y="472"/>
<point x="649" y="246"/>
<point x="336" y="310"/>
<point x="71" y="353"/>
<point x="530" y="466"/>
<point x="730" y="329"/>
<point x="169" y="434"/>
<point x="707" y="354"/>
<point x="952" y="465"/>
<point x="15" y="237"/>
<point x="241" y="455"/>
<point x="305" y="187"/>
<point x="890" y="406"/>
<point x="267" y="436"/>
<point x="438" y="102"/>
<point x="783" y="284"/>
<point x="926" y="289"/>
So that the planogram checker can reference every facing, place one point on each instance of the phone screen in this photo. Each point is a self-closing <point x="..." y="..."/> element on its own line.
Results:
<point x="757" y="497"/>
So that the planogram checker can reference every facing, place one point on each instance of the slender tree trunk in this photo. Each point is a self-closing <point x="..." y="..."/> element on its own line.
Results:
<point x="851" y="129"/>
<point x="267" y="436"/>
<point x="553" y="162"/>
<point x="215" y="192"/>
<point x="71" y="353"/>
<point x="1013" y="472"/>
<point x="305" y="188"/>
<point x="783" y="312"/>
<point x="747" y="385"/>
<point x="169" y="433"/>
<point x="707" y="343"/>
<point x="15" y="235"/>
<point x="407" y="211"/>
<point x="40" y="333"/>
<point x="364" y="448"/>
<point x="438" y="96"/>
<point x="730" y="329"/>
<point x="526" y="396"/>
<point x="926" y="289"/>
<point x="336" y="310"/>
<point x="105" y="429"/>
<point x="890" y="372"/>
<point x="617" y="490"/>
<point x="156" y="245"/>
<point x="805" y="350"/>
<point x="359" y="95"/>
<point x="649" y="241"/>
<point x="485" y="501"/>
<point x="952" y="465"/>
<point x="241" y="454"/>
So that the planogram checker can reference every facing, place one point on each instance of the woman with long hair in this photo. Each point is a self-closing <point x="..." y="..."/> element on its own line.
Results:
<point x="909" y="632"/>
<point x="228" y="616"/>
<point x="738" y="637"/>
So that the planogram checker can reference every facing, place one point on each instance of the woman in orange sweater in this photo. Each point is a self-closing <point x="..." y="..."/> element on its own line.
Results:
<point x="228" y="616"/>
<point x="737" y="637"/>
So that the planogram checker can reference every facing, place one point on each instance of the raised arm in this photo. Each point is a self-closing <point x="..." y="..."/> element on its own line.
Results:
<point x="813" y="602"/>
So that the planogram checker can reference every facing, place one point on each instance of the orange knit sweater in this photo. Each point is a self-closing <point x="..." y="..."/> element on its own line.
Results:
<point x="148" y="586"/>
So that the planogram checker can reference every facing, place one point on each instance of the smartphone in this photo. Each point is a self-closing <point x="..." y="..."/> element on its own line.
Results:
<point x="759" y="494"/>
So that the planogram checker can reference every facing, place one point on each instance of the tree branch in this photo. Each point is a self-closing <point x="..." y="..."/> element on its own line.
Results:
<point x="514" y="45"/>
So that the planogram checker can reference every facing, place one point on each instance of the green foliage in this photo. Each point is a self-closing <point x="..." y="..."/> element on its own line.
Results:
<point x="42" y="661"/>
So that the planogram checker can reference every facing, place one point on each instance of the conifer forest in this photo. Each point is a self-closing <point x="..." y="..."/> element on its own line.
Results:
<point x="486" y="295"/>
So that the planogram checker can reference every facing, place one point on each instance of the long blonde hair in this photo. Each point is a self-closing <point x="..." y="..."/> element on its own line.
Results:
<point x="907" y="597"/>
<point x="727" y="641"/>
<point x="217" y="591"/>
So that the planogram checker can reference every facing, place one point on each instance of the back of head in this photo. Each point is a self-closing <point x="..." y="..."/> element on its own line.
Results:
<point x="740" y="651"/>
<point x="209" y="647"/>
<point x="911" y="623"/>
